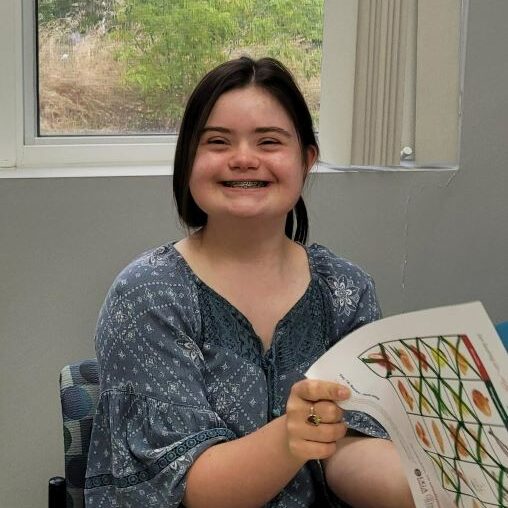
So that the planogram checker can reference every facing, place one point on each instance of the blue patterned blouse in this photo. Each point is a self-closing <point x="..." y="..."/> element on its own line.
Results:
<point x="181" y="369"/>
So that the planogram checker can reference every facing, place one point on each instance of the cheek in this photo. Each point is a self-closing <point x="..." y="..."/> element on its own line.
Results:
<point x="294" y="169"/>
<point x="206" y="164"/>
<point x="288" y="163"/>
<point x="196" y="184"/>
<point x="202" y="180"/>
<point x="199" y="171"/>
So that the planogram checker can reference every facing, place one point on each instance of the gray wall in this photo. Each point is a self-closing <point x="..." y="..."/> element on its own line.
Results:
<point x="428" y="239"/>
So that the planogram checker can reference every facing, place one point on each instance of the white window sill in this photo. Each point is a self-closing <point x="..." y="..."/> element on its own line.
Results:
<point x="86" y="171"/>
<point x="407" y="168"/>
<point x="166" y="170"/>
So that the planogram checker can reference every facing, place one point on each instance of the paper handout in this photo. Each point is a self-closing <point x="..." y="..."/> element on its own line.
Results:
<point x="437" y="381"/>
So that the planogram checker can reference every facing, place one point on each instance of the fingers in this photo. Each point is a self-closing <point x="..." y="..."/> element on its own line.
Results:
<point x="327" y="411"/>
<point x="324" y="433"/>
<point x="319" y="442"/>
<point x="309" y="450"/>
<point x="319" y="398"/>
<point x="314" y="390"/>
<point x="321" y="445"/>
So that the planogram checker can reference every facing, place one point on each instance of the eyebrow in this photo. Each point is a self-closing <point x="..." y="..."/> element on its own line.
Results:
<point x="259" y="130"/>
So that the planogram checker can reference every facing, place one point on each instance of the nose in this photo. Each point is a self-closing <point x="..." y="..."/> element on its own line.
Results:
<point x="244" y="157"/>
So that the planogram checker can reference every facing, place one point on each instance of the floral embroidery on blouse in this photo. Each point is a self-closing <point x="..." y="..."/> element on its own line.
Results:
<point x="347" y="295"/>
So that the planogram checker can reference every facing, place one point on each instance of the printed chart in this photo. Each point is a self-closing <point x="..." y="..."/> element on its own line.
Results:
<point x="454" y="411"/>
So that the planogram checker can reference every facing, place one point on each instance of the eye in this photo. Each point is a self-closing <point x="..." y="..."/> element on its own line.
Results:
<point x="269" y="141"/>
<point x="216" y="141"/>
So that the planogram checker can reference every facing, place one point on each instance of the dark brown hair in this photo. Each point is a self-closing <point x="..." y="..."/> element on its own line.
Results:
<point x="266" y="73"/>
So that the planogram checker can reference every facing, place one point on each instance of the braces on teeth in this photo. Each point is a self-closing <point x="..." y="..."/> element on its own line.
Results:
<point x="246" y="184"/>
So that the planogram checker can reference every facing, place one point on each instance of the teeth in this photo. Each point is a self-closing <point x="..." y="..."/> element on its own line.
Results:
<point x="245" y="184"/>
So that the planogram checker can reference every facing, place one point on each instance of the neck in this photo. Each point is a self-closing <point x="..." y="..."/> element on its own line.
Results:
<point x="246" y="243"/>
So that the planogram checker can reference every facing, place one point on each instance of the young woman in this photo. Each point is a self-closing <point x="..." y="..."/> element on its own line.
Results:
<point x="203" y="344"/>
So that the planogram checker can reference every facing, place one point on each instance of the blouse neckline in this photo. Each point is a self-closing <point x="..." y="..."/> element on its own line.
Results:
<point x="237" y="312"/>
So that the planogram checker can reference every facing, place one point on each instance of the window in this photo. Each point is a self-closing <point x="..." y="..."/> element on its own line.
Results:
<point x="382" y="76"/>
<point x="130" y="29"/>
<point x="126" y="67"/>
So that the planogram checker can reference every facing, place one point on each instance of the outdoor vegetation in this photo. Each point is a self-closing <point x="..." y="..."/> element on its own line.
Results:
<point x="127" y="66"/>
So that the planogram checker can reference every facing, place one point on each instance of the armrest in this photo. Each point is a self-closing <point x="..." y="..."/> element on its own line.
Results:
<point x="56" y="492"/>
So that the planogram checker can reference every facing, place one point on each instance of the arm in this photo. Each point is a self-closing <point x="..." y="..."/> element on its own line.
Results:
<point x="251" y="470"/>
<point x="246" y="472"/>
<point x="361" y="461"/>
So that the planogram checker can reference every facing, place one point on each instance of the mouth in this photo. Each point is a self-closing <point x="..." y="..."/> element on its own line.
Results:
<point x="245" y="184"/>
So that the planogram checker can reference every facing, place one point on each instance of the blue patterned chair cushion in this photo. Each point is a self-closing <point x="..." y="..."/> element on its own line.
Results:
<point x="79" y="392"/>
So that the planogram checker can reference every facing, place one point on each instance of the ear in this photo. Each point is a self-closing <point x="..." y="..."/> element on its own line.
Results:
<point x="311" y="155"/>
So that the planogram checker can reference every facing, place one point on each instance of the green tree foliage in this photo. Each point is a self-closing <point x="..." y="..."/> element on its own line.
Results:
<point x="50" y="10"/>
<point x="169" y="45"/>
<point x="77" y="15"/>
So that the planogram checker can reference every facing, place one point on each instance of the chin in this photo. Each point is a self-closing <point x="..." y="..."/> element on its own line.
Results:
<point x="245" y="214"/>
<point x="250" y="215"/>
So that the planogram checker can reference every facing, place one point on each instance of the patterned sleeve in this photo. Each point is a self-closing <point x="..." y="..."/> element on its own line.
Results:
<point x="153" y="419"/>
<point x="353" y="302"/>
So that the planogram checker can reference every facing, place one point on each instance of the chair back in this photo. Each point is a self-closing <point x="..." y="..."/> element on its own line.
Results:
<point x="79" y="393"/>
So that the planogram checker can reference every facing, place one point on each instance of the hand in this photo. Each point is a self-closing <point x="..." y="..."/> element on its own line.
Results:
<point x="305" y="440"/>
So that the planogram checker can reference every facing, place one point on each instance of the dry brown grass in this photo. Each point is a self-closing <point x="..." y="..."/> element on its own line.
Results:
<point x="81" y="89"/>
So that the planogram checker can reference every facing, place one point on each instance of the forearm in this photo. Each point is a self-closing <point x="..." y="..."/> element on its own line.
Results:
<point x="361" y="461"/>
<point x="246" y="472"/>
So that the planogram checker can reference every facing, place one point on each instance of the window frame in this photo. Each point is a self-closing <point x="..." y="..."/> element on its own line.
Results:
<point x="57" y="151"/>
<point x="20" y="148"/>
<point x="9" y="93"/>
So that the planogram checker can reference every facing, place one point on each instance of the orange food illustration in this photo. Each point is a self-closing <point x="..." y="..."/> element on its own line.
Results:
<point x="439" y="437"/>
<point x="383" y="360"/>
<point x="481" y="402"/>
<point x="422" y="359"/>
<point x="422" y="435"/>
<point x="404" y="358"/>
<point x="459" y="442"/>
<point x="462" y="362"/>
<point x="459" y="358"/>
<point x="405" y="394"/>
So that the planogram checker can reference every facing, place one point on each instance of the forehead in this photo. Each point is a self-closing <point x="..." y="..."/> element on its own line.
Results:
<point x="250" y="104"/>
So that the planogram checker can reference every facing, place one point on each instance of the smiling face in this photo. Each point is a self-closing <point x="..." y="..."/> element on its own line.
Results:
<point x="249" y="159"/>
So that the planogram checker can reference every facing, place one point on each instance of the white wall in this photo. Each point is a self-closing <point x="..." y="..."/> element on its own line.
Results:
<point x="427" y="239"/>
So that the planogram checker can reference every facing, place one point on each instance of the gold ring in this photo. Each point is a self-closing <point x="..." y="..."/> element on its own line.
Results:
<point x="313" y="418"/>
